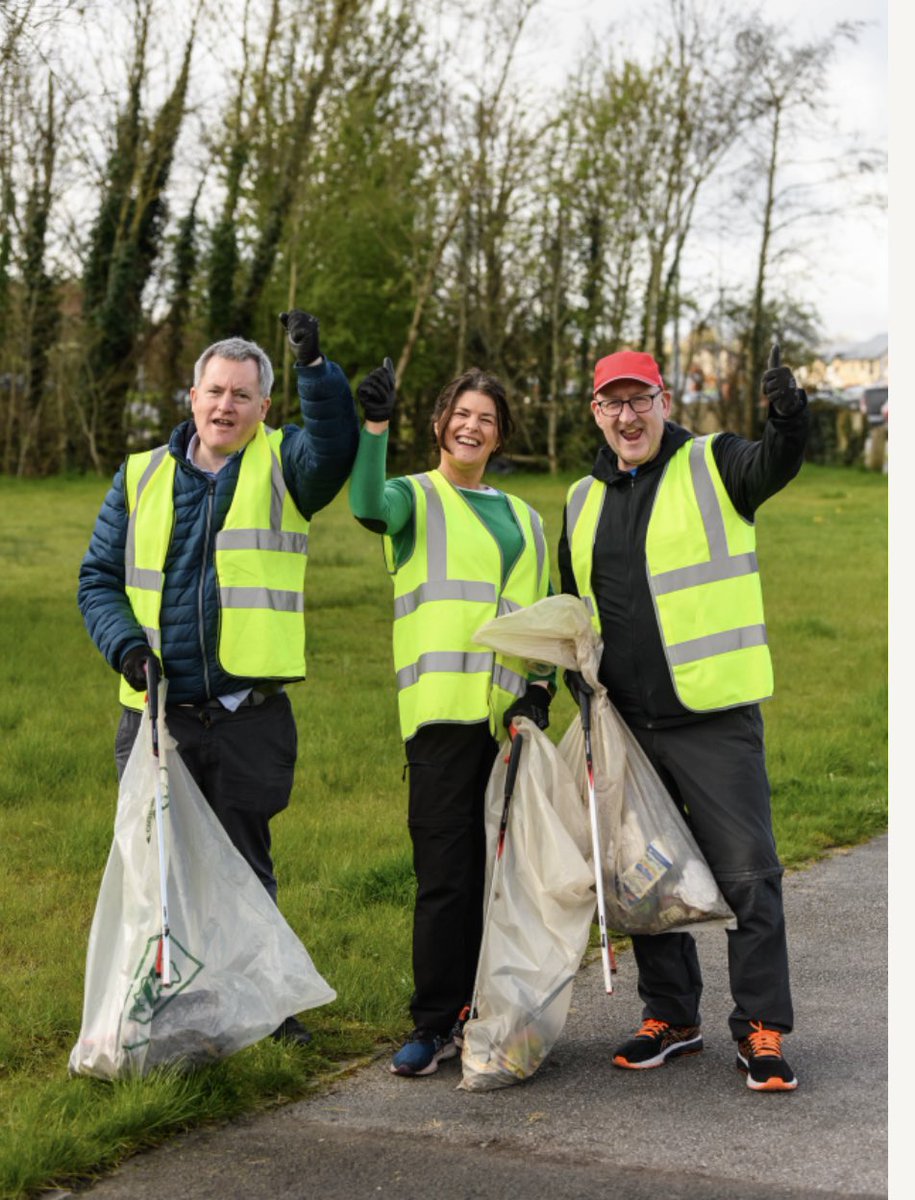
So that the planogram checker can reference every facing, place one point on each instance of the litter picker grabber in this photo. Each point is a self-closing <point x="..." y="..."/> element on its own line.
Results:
<point x="514" y="758"/>
<point x="163" y="954"/>
<point x="511" y="774"/>
<point x="585" y="692"/>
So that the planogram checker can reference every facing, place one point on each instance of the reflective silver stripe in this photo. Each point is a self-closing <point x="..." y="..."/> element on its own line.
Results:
<point x="154" y="459"/>
<point x="262" y="539"/>
<point x="576" y="504"/>
<point x="443" y="589"/>
<point x="721" y="564"/>
<point x="509" y="681"/>
<point x="277" y="493"/>
<point x="712" y="517"/>
<point x="539" y="542"/>
<point x="717" y="643"/>
<point x="140" y="577"/>
<point x="270" y="598"/>
<point x="153" y="636"/>
<point x="708" y="572"/>
<point x="130" y="545"/>
<point x="455" y="661"/>
<point x="589" y="605"/>
<point x="507" y="606"/>
<point x="436" y="532"/>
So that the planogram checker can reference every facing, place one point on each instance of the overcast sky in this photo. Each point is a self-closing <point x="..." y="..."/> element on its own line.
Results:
<point x="848" y="279"/>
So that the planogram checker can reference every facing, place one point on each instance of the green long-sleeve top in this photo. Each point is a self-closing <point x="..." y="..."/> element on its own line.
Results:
<point x="386" y="506"/>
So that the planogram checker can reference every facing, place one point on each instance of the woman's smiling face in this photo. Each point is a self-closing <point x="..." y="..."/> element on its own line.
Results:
<point x="471" y="435"/>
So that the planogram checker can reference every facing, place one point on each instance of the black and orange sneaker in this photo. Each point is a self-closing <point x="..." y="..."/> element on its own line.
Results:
<point x="655" y="1043"/>
<point x="759" y="1056"/>
<point x="457" y="1032"/>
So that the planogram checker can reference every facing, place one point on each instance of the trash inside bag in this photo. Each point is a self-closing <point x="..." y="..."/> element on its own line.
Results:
<point x="655" y="877"/>
<point x="237" y="969"/>
<point x="540" y="899"/>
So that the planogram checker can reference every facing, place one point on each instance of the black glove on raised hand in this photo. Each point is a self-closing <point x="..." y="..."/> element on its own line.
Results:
<point x="577" y="685"/>
<point x="302" y="330"/>
<point x="133" y="667"/>
<point x="377" y="393"/>
<point x="779" y="387"/>
<point x="534" y="704"/>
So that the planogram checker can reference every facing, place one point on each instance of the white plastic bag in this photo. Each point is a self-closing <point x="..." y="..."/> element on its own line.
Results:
<point x="538" y="917"/>
<point x="655" y="877"/>
<point x="237" y="968"/>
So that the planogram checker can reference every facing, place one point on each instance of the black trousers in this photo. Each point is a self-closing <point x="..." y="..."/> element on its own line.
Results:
<point x="449" y="767"/>
<point x="715" y="770"/>
<point x="243" y="763"/>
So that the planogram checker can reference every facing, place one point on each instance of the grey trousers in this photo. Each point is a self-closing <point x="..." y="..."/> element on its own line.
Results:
<point x="243" y="762"/>
<point x="715" y="770"/>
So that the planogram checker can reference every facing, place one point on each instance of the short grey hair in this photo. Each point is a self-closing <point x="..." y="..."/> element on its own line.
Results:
<point x="238" y="350"/>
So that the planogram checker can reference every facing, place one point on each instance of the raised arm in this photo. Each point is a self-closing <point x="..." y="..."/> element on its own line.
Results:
<point x="317" y="455"/>
<point x="754" y="471"/>
<point x="382" y="507"/>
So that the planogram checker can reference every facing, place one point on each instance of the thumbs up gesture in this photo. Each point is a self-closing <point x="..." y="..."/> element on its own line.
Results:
<point x="377" y="393"/>
<point x="784" y="396"/>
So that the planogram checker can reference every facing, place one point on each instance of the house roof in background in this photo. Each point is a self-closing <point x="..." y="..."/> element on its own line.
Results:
<point x="874" y="347"/>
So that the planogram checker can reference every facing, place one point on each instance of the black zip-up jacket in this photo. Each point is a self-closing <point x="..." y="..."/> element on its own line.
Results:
<point x="634" y="668"/>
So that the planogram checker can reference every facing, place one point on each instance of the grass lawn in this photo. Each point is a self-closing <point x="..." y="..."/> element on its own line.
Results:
<point x="341" y="849"/>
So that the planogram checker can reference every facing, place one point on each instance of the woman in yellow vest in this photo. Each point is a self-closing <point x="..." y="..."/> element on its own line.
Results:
<point x="460" y="553"/>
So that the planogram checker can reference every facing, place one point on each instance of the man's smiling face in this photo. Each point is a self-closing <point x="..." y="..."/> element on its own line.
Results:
<point x="635" y="437"/>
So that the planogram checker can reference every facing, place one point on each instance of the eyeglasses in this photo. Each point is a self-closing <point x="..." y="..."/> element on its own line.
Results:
<point x="639" y="404"/>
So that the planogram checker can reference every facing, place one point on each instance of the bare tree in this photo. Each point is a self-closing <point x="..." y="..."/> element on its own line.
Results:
<point x="329" y="29"/>
<point x="788" y="98"/>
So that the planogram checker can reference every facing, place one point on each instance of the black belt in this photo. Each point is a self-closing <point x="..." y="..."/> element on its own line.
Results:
<point x="257" y="695"/>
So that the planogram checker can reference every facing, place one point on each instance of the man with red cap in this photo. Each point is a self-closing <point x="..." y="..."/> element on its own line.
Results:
<point x="659" y="543"/>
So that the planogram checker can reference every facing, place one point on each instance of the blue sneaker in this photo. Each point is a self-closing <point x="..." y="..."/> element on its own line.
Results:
<point x="422" y="1052"/>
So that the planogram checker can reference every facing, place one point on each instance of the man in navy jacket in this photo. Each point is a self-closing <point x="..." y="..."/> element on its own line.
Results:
<point x="233" y="723"/>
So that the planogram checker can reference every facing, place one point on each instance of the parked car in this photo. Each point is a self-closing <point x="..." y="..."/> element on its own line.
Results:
<point x="851" y="397"/>
<point x="875" y="402"/>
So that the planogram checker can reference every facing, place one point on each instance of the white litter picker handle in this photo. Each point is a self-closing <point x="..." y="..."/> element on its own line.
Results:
<point x="585" y="706"/>
<point x="163" y="953"/>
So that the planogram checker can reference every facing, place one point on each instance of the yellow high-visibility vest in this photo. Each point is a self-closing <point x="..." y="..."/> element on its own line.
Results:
<point x="703" y="575"/>
<point x="260" y="556"/>
<point x="449" y="586"/>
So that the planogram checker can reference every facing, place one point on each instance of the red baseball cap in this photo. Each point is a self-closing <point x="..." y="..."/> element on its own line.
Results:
<point x="627" y="364"/>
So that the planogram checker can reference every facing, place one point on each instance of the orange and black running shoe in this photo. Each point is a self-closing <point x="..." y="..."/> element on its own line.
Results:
<point x="759" y="1056"/>
<point x="457" y="1032"/>
<point x="655" y="1043"/>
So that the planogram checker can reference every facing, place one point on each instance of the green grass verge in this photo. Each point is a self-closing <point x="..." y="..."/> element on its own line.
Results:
<point x="342" y="850"/>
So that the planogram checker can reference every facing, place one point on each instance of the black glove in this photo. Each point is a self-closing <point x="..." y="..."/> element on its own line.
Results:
<point x="133" y="667"/>
<point x="302" y="330"/>
<point x="577" y="685"/>
<point x="783" y="394"/>
<point x="534" y="704"/>
<point x="376" y="393"/>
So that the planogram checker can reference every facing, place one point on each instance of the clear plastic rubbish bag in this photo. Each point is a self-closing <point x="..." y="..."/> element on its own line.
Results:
<point x="237" y="968"/>
<point x="655" y="877"/>
<point x="540" y="899"/>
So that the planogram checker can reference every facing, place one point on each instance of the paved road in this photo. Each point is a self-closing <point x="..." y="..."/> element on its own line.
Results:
<point x="580" y="1128"/>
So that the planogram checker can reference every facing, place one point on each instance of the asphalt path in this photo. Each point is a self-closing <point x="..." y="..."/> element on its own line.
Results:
<point x="581" y="1128"/>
